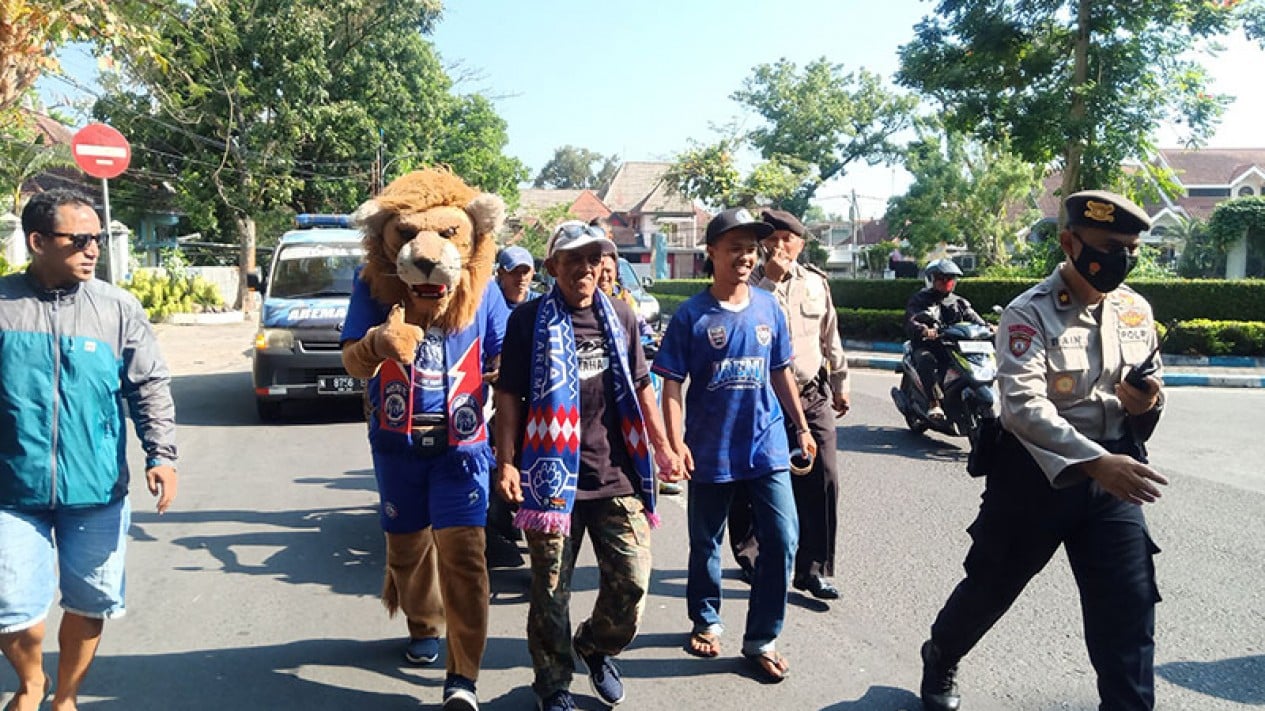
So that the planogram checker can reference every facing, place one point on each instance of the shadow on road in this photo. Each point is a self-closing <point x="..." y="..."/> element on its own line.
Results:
<point x="370" y="675"/>
<point x="900" y="442"/>
<point x="340" y="548"/>
<point x="1228" y="679"/>
<point x="880" y="698"/>
<point x="358" y="480"/>
<point x="228" y="400"/>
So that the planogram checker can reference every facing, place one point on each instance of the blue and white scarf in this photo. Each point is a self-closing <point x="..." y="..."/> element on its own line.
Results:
<point x="550" y="463"/>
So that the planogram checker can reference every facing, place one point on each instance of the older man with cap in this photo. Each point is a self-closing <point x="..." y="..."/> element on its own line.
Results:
<point x="576" y="424"/>
<point x="820" y="368"/>
<point x="1070" y="466"/>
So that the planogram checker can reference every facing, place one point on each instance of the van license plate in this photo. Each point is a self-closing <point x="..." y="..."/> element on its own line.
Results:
<point x="339" y="385"/>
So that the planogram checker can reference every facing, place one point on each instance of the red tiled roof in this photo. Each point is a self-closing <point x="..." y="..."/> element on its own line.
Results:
<point x="1212" y="166"/>
<point x="588" y="207"/>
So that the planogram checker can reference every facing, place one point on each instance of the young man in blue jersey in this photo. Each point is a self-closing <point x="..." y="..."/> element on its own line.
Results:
<point x="732" y="343"/>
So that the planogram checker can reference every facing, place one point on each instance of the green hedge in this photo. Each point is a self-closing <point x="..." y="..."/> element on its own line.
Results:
<point x="1171" y="299"/>
<point x="1207" y="337"/>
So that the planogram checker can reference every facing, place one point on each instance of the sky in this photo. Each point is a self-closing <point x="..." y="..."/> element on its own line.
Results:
<point x="641" y="79"/>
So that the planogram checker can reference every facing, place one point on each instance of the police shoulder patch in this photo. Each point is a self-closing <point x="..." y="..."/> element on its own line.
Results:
<point x="1020" y="339"/>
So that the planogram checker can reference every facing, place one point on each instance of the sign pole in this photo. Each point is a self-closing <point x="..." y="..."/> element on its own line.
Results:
<point x="111" y="271"/>
<point x="104" y="153"/>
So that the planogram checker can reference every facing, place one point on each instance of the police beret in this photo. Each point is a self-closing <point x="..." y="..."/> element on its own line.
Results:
<point x="1112" y="212"/>
<point x="783" y="220"/>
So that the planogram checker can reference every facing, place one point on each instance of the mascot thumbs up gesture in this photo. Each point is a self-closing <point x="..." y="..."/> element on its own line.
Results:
<point x="423" y="316"/>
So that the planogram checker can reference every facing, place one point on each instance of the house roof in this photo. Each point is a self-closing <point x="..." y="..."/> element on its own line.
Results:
<point x="588" y="206"/>
<point x="1212" y="166"/>
<point x="544" y="198"/>
<point x="50" y="129"/>
<point x="638" y="187"/>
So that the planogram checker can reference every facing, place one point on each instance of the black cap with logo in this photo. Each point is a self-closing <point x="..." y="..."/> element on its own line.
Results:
<point x="733" y="219"/>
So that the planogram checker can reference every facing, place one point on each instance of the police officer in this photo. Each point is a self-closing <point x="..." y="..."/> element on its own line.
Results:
<point x="927" y="310"/>
<point x="821" y="370"/>
<point x="1070" y="466"/>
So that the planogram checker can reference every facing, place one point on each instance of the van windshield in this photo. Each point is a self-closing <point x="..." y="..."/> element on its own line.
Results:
<point x="628" y="278"/>
<point x="311" y="270"/>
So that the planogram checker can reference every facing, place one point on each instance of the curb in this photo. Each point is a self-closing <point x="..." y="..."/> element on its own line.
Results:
<point x="1213" y="361"/>
<point x="879" y="362"/>
<point x="205" y="319"/>
<point x="1213" y="381"/>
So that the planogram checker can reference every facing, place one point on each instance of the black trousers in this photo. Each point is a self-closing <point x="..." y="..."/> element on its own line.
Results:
<point x="929" y="358"/>
<point x="816" y="496"/>
<point x="1021" y="523"/>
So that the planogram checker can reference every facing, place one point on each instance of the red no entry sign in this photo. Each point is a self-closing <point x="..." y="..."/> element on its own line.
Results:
<point x="101" y="151"/>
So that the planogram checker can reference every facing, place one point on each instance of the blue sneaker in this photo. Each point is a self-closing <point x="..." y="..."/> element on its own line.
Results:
<point x="422" y="650"/>
<point x="557" y="701"/>
<point x="459" y="694"/>
<point x="603" y="675"/>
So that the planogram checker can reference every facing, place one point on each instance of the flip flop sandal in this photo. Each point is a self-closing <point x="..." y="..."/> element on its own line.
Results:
<point x="771" y="666"/>
<point x="708" y="639"/>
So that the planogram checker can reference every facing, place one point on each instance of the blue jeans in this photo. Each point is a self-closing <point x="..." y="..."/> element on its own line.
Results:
<point x="80" y="550"/>
<point x="777" y="531"/>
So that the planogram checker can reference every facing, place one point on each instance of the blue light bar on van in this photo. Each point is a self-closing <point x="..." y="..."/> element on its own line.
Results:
<point x="307" y="220"/>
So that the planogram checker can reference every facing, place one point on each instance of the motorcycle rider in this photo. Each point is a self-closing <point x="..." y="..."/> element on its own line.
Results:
<point x="927" y="309"/>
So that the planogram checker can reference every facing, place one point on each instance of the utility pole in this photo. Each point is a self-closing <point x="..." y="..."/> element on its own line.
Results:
<point x="854" y="217"/>
<point x="379" y="180"/>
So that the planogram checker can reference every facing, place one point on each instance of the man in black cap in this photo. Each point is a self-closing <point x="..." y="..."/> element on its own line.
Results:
<point x="1070" y="467"/>
<point x="820" y="368"/>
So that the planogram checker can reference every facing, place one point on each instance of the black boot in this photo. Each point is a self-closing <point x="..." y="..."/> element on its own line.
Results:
<point x="939" y="689"/>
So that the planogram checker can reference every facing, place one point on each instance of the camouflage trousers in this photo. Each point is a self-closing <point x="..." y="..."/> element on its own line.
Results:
<point x="621" y="542"/>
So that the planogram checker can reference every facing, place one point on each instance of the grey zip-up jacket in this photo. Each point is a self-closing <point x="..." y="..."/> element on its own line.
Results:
<point x="69" y="358"/>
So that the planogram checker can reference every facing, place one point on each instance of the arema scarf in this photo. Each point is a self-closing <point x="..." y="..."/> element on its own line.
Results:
<point x="550" y="463"/>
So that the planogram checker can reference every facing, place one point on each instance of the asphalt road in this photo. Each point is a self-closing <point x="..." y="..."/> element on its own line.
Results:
<point x="259" y="589"/>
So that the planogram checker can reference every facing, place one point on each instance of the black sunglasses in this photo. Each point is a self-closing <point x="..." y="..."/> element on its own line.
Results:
<point x="80" y="240"/>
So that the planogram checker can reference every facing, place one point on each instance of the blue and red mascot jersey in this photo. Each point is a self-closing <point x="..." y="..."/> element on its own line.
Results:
<point x="423" y="483"/>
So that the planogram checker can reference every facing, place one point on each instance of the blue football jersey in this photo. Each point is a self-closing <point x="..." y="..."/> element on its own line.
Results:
<point x="733" y="422"/>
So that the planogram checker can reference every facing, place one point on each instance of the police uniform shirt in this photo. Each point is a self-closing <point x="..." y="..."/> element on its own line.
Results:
<point x="1059" y="361"/>
<point x="804" y="295"/>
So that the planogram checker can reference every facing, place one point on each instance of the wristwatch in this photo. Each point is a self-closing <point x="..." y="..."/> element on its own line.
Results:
<point x="152" y="462"/>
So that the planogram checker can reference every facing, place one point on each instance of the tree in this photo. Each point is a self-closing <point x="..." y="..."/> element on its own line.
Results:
<point x="538" y="226"/>
<point x="817" y="122"/>
<point x="31" y="31"/>
<point x="271" y="106"/>
<point x="23" y="157"/>
<point x="571" y="168"/>
<point x="1078" y="83"/>
<point x="1253" y="14"/>
<point x="965" y="192"/>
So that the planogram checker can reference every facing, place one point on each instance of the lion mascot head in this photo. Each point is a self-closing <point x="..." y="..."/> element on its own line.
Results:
<point x="429" y="246"/>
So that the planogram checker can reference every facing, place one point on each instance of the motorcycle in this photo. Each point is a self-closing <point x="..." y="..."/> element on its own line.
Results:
<point x="969" y="397"/>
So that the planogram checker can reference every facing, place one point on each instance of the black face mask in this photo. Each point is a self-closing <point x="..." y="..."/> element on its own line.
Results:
<point x="1103" y="270"/>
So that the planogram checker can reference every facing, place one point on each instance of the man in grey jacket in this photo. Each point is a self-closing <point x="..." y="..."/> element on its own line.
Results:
<point x="72" y="350"/>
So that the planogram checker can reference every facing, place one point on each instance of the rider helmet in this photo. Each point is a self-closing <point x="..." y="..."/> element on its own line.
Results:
<point x="945" y="267"/>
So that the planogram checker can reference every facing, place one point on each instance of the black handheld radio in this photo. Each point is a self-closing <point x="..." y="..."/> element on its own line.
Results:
<point x="1140" y="372"/>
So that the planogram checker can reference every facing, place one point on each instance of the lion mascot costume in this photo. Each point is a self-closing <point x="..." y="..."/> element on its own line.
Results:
<point x="424" y="315"/>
